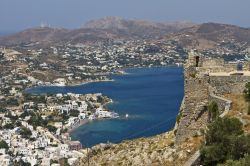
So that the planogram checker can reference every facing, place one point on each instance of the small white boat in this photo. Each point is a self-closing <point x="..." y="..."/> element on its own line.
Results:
<point x="126" y="115"/>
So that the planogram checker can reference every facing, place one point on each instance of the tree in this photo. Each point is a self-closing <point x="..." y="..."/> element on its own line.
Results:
<point x="247" y="91"/>
<point x="242" y="162"/>
<point x="225" y="140"/>
<point x="51" y="128"/>
<point x="222" y="128"/>
<point x="22" y="163"/>
<point x="37" y="120"/>
<point x="213" y="110"/>
<point x="4" y="145"/>
<point x="8" y="126"/>
<point x="74" y="113"/>
<point x="24" y="114"/>
<point x="18" y="123"/>
<point x="248" y="110"/>
<point x="25" y="132"/>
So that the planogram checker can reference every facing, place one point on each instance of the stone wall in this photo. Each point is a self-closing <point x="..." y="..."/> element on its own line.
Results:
<point x="200" y="89"/>
<point x="228" y="84"/>
<point x="193" y="114"/>
<point x="223" y="103"/>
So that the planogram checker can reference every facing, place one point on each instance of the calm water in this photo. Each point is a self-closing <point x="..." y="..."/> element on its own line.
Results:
<point x="150" y="96"/>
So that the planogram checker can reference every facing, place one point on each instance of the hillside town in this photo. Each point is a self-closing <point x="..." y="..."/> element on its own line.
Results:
<point x="124" y="83"/>
<point x="75" y="64"/>
<point x="35" y="129"/>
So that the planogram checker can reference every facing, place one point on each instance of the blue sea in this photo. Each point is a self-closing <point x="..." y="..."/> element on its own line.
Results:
<point x="150" y="96"/>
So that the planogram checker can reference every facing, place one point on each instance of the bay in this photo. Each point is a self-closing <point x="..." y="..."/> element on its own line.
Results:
<point x="150" y="96"/>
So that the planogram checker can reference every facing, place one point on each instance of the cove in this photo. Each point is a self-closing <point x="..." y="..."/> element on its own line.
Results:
<point x="150" y="96"/>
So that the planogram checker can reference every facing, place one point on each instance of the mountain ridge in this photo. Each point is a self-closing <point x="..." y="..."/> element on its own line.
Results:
<point x="189" y="35"/>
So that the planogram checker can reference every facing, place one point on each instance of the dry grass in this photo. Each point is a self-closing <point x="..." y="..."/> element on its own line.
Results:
<point x="239" y="109"/>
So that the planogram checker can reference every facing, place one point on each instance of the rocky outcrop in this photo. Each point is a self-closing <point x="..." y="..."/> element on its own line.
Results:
<point x="153" y="151"/>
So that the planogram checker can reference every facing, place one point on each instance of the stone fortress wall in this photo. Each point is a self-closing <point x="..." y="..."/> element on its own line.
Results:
<point x="207" y="80"/>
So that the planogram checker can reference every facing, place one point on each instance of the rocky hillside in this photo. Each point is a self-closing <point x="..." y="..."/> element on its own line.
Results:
<point x="137" y="28"/>
<point x="46" y="36"/>
<point x="153" y="151"/>
<point x="210" y="35"/>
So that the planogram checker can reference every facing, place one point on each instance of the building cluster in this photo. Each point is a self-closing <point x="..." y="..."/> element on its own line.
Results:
<point x="36" y="147"/>
<point x="74" y="64"/>
<point x="34" y="129"/>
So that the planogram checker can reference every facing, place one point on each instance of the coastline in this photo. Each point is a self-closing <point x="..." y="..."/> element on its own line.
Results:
<point x="70" y="85"/>
<point x="105" y="80"/>
<point x="85" y="121"/>
<point x="88" y="82"/>
<point x="76" y="126"/>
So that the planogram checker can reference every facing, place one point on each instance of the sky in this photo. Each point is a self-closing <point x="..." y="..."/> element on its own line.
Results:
<point x="16" y="15"/>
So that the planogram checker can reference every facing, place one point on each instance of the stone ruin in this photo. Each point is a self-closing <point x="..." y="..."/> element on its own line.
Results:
<point x="206" y="80"/>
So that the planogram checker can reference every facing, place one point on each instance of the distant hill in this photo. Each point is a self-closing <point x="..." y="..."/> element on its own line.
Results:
<point x="33" y="35"/>
<point x="137" y="28"/>
<point x="189" y="35"/>
<point x="208" y="35"/>
<point x="96" y="30"/>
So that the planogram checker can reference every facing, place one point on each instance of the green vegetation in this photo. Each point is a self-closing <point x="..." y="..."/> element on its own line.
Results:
<point x="51" y="128"/>
<point x="225" y="140"/>
<point x="247" y="96"/>
<point x="34" y="98"/>
<point x="3" y="110"/>
<point x="12" y="102"/>
<point x="242" y="162"/>
<point x="213" y="110"/>
<point x="4" y="145"/>
<point x="25" y="132"/>
<point x="247" y="91"/>
<point x="37" y="120"/>
<point x="9" y="126"/>
<point x="18" y="123"/>
<point x="248" y="109"/>
<point x="178" y="118"/>
<point x="9" y="115"/>
<point x="21" y="163"/>
<point x="74" y="113"/>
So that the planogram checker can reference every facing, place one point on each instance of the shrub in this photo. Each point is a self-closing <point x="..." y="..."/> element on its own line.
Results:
<point x="248" y="110"/>
<point x="3" y="145"/>
<point x="247" y="91"/>
<point x="178" y="117"/>
<point x="25" y="132"/>
<point x="242" y="162"/>
<point x="225" y="140"/>
<point x="213" y="110"/>
<point x="51" y="128"/>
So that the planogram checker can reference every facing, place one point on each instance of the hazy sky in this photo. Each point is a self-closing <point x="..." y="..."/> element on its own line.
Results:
<point x="20" y="14"/>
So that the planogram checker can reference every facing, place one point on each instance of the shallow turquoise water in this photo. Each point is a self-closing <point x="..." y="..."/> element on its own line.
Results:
<point x="151" y="97"/>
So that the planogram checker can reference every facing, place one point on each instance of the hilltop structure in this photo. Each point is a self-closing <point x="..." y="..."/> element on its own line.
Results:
<point x="207" y="80"/>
